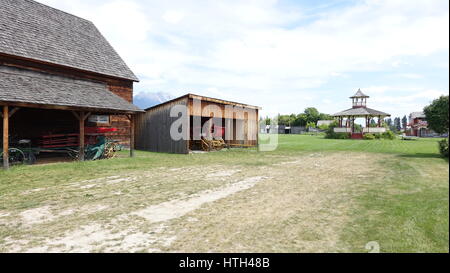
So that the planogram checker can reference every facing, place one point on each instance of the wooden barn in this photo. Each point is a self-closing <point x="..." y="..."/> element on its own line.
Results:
<point x="193" y="115"/>
<point x="59" y="77"/>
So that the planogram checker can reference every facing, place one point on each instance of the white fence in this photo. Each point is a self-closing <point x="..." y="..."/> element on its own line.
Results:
<point x="342" y="130"/>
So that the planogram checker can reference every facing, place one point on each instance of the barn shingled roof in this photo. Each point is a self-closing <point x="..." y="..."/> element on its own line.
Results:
<point x="26" y="86"/>
<point x="35" y="31"/>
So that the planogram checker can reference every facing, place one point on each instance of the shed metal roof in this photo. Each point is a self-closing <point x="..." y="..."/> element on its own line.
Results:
<point x="25" y="86"/>
<point x="32" y="30"/>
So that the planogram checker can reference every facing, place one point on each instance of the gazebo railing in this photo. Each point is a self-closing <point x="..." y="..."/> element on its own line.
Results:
<point x="364" y="130"/>
<point x="374" y="130"/>
<point x="342" y="129"/>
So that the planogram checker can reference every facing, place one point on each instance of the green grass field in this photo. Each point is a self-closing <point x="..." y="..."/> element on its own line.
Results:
<point x="311" y="195"/>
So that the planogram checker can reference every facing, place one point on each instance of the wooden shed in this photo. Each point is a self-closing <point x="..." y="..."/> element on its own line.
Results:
<point x="58" y="74"/>
<point x="237" y="122"/>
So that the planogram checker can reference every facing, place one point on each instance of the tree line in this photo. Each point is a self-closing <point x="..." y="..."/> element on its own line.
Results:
<point x="397" y="124"/>
<point x="308" y="118"/>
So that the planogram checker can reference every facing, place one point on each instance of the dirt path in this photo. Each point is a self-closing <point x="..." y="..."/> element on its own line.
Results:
<point x="296" y="205"/>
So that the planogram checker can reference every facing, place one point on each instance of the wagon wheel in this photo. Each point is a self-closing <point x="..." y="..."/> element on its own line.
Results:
<point x="110" y="151"/>
<point x="16" y="156"/>
<point x="73" y="153"/>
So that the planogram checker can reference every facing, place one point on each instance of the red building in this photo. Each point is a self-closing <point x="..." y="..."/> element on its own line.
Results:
<point x="418" y="125"/>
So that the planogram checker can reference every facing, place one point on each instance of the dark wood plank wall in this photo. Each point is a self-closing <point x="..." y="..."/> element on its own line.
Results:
<point x="153" y="130"/>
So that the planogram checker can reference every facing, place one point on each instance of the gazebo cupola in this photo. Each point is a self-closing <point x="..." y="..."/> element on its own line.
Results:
<point x="359" y="99"/>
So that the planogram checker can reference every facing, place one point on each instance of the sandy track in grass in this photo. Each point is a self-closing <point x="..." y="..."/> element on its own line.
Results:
<point x="177" y="208"/>
<point x="296" y="205"/>
<point x="303" y="207"/>
<point x="95" y="237"/>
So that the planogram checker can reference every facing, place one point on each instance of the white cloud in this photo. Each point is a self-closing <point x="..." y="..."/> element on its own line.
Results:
<point x="173" y="16"/>
<point x="254" y="51"/>
<point x="412" y="76"/>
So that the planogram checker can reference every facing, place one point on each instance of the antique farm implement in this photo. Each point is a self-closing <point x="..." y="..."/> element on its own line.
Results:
<point x="210" y="141"/>
<point x="212" y="144"/>
<point x="98" y="146"/>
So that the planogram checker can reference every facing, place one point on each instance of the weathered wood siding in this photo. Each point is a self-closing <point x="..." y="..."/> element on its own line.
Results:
<point x="243" y="121"/>
<point x="123" y="89"/>
<point x="153" y="130"/>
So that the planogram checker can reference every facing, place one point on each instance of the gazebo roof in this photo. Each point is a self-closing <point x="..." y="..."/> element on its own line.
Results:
<point x="361" y="111"/>
<point x="359" y="94"/>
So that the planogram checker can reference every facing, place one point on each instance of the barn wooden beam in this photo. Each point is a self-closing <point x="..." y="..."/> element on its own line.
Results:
<point x="5" y="137"/>
<point x="81" y="116"/>
<point x="132" y="121"/>
<point x="131" y="118"/>
<point x="81" y="139"/>
<point x="13" y="111"/>
<point x="76" y="115"/>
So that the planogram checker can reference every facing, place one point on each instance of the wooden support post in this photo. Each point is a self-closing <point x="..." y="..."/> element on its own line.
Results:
<point x="258" y="126"/>
<point x="353" y="124"/>
<point x="5" y="137"/>
<point x="81" y="137"/>
<point x="82" y="116"/>
<point x="132" y="135"/>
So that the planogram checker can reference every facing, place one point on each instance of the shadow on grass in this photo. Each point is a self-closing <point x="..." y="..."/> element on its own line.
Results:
<point x="423" y="155"/>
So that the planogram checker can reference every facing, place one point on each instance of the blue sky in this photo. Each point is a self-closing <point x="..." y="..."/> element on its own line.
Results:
<point x="281" y="55"/>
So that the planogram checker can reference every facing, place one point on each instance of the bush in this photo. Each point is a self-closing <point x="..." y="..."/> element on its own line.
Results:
<point x="341" y="135"/>
<point x="443" y="147"/>
<point x="388" y="135"/>
<point x="324" y="127"/>
<point x="329" y="133"/>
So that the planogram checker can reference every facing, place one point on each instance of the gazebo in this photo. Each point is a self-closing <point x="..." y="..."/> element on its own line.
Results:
<point x="346" y="118"/>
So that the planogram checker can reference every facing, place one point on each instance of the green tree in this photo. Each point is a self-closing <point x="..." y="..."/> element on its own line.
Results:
<point x="373" y="123"/>
<point x="323" y="116"/>
<point x="404" y="122"/>
<point x="283" y="120"/>
<point x="437" y="115"/>
<point x="301" y="120"/>
<point x="388" y="122"/>
<point x="397" y="124"/>
<point x="312" y="114"/>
